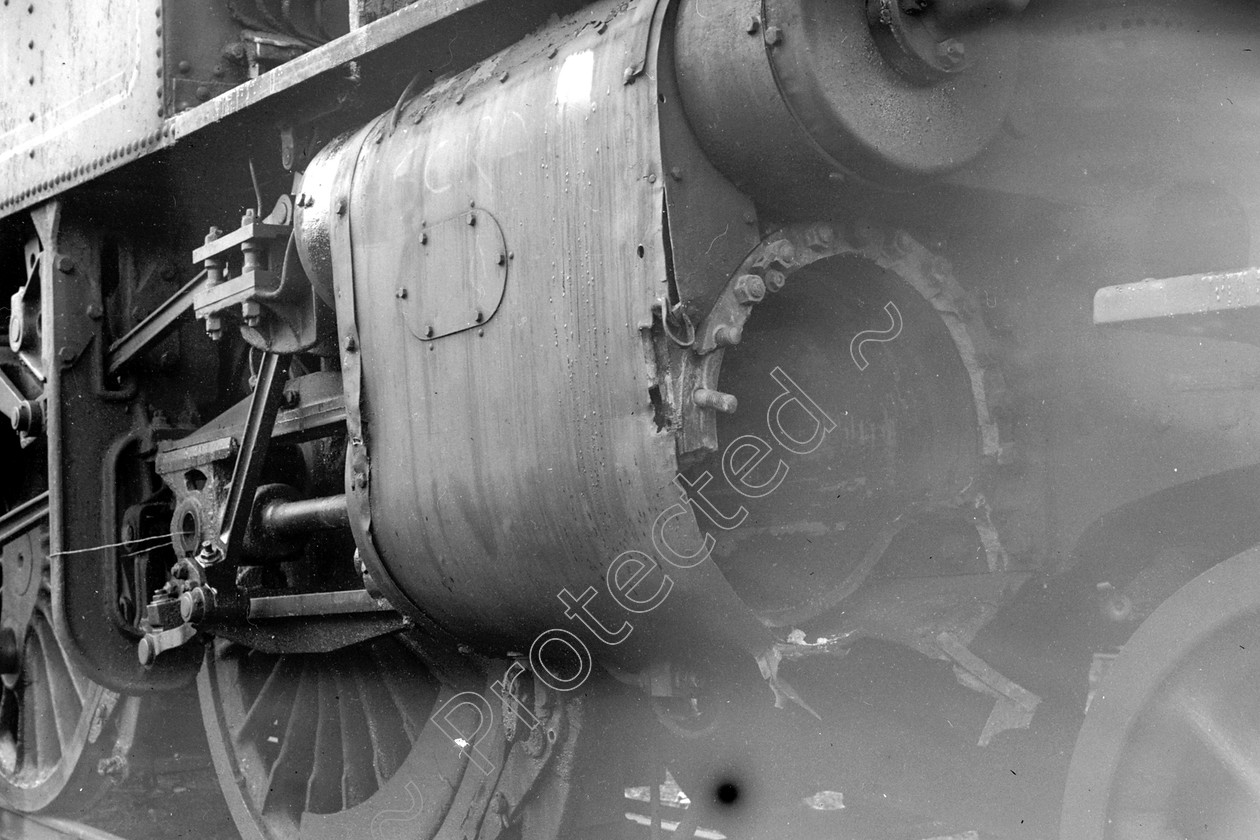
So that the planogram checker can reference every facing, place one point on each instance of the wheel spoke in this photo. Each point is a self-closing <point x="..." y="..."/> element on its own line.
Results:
<point x="383" y="725"/>
<point x="358" y="777"/>
<point x="1224" y="746"/>
<point x="286" y="784"/>
<point x="67" y="704"/>
<point x="272" y="701"/>
<point x="323" y="793"/>
<point x="47" y="745"/>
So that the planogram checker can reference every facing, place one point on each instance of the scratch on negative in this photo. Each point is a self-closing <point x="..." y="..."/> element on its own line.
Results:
<point x="716" y="238"/>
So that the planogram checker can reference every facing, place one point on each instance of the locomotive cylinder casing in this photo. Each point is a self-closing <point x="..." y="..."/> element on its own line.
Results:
<point x="513" y="456"/>
<point x="789" y="94"/>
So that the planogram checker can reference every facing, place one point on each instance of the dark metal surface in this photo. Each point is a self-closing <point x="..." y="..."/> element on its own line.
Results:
<point x="158" y="324"/>
<point x="255" y="441"/>
<point x="303" y="515"/>
<point x="88" y="430"/>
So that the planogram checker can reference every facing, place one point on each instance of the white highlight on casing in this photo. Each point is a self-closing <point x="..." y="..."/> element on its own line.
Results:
<point x="577" y="75"/>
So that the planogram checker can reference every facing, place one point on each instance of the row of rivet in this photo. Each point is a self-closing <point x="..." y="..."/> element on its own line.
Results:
<point x="77" y="172"/>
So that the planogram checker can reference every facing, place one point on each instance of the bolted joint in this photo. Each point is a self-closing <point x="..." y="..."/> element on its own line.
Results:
<point x="952" y="53"/>
<point x="251" y="313"/>
<point x="28" y="418"/>
<point x="749" y="289"/>
<point x="214" y="327"/>
<point x="196" y="604"/>
<point x="146" y="651"/>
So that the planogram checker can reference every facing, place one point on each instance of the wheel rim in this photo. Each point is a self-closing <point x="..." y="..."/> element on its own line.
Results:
<point x="1171" y="746"/>
<point x="51" y="724"/>
<point x="328" y="745"/>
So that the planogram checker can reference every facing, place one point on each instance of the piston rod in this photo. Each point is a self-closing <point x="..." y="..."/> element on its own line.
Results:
<point x="290" y="518"/>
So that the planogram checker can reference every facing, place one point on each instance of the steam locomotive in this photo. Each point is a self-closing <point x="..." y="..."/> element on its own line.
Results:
<point x="491" y="405"/>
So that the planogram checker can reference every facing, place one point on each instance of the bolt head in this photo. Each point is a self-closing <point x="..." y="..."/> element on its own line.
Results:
<point x="727" y="335"/>
<point x="350" y="344"/>
<point x="341" y="207"/>
<point x="774" y="36"/>
<point x="401" y="293"/>
<point x="749" y="289"/>
<point x="95" y="312"/>
<point x="753" y="25"/>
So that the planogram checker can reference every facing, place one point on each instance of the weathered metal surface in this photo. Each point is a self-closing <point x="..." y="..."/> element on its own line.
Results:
<point x="782" y="96"/>
<point x="1217" y="305"/>
<point x="917" y="438"/>
<point x="712" y="225"/>
<point x="83" y="92"/>
<point x="529" y="446"/>
<point x="460" y="275"/>
<point x="115" y="113"/>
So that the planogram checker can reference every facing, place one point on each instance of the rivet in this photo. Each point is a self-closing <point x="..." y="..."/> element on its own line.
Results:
<point x="424" y="239"/>
<point x="503" y="77"/>
<point x="472" y="219"/>
<point x="652" y="178"/>
<point x="341" y="207"/>
<point x="203" y="93"/>
<point x="185" y="67"/>
<point x="65" y="264"/>
<point x="478" y="317"/>
<point x="716" y="400"/>
<point x="66" y="355"/>
<point x="351" y="344"/>
<point x="428" y="331"/>
<point x="459" y="100"/>
<point x="501" y="260"/>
